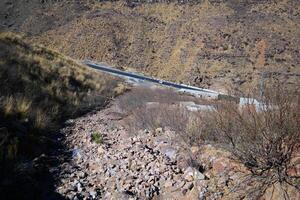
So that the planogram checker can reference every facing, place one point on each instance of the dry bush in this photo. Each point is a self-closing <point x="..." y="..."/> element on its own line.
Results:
<point x="264" y="139"/>
<point x="139" y="96"/>
<point x="161" y="115"/>
<point x="186" y="124"/>
<point x="165" y="112"/>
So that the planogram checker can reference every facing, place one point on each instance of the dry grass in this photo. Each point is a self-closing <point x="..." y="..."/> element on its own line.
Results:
<point x="8" y="105"/>
<point x="140" y="96"/>
<point x="208" y="44"/>
<point x="264" y="140"/>
<point x="159" y="108"/>
<point x="23" y="106"/>
<point x="185" y="123"/>
<point x="39" y="89"/>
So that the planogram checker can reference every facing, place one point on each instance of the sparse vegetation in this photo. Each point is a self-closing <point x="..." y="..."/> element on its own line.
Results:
<point x="154" y="108"/>
<point x="211" y="44"/>
<point x="97" y="138"/>
<point x="140" y="96"/>
<point x="39" y="89"/>
<point x="265" y="140"/>
<point x="204" y="43"/>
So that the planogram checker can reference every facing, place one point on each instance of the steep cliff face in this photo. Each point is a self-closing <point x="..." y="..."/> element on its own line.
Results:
<point x="216" y="44"/>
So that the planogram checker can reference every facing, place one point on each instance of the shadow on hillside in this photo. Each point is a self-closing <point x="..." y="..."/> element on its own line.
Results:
<point x="39" y="90"/>
<point x="35" y="179"/>
<point x="38" y="178"/>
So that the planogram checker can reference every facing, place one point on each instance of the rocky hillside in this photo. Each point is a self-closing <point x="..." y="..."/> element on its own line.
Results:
<point x="40" y="88"/>
<point x="110" y="161"/>
<point x="150" y="143"/>
<point x="216" y="44"/>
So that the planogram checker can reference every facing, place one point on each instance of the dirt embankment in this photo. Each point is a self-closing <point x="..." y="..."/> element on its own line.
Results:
<point x="213" y="44"/>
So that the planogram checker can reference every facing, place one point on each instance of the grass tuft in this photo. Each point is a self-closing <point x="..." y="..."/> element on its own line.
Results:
<point x="97" y="138"/>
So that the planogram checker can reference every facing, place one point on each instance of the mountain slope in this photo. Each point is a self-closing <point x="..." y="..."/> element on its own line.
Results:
<point x="40" y="88"/>
<point x="216" y="44"/>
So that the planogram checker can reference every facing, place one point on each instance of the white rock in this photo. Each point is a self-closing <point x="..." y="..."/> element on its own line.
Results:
<point x="191" y="174"/>
<point x="171" y="153"/>
<point x="198" y="175"/>
<point x="79" y="188"/>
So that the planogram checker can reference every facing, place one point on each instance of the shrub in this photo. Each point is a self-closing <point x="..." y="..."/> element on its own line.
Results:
<point x="139" y="96"/>
<point x="160" y="116"/>
<point x="179" y="119"/>
<point x="165" y="112"/>
<point x="264" y="140"/>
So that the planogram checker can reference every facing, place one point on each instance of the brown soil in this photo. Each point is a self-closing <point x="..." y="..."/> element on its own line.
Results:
<point x="216" y="44"/>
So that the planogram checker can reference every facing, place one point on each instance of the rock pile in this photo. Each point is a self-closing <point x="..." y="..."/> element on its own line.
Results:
<point x="125" y="166"/>
<point x="145" y="165"/>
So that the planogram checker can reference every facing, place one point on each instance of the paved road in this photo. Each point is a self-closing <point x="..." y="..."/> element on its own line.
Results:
<point x="198" y="92"/>
<point x="139" y="77"/>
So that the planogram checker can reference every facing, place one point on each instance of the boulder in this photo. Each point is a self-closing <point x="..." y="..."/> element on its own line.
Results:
<point x="191" y="174"/>
<point x="170" y="153"/>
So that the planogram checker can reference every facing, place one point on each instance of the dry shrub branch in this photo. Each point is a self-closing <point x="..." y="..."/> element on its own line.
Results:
<point x="151" y="109"/>
<point x="264" y="139"/>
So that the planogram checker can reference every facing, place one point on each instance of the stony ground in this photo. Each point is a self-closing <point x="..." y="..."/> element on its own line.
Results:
<point x="125" y="166"/>
<point x="146" y="165"/>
